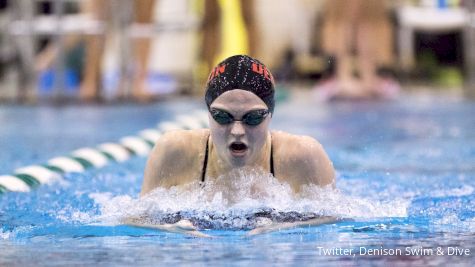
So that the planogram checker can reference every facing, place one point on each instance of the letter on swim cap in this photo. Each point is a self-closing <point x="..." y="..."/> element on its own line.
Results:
<point x="218" y="70"/>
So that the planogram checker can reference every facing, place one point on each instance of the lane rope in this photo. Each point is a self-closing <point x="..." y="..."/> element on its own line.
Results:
<point x="25" y="179"/>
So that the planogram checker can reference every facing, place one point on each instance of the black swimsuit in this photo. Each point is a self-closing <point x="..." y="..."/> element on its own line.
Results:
<point x="205" y="164"/>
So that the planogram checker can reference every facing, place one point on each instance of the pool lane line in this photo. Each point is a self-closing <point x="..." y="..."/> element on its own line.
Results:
<point x="25" y="179"/>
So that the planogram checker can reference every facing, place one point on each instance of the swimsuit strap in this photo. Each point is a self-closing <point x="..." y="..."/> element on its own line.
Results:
<point x="271" y="158"/>
<point x="205" y="163"/>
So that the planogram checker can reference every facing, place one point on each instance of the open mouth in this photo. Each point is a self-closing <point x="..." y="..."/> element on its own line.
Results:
<point x="238" y="148"/>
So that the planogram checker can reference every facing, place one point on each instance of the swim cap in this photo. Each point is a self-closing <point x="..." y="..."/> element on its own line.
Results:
<point x="241" y="72"/>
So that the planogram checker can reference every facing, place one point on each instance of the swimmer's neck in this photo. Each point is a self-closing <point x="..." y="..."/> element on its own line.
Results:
<point x="218" y="166"/>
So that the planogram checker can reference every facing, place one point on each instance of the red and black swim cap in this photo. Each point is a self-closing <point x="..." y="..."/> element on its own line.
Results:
<point x="241" y="72"/>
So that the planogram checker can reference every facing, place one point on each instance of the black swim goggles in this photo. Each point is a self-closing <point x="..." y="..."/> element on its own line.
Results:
<point x="252" y="118"/>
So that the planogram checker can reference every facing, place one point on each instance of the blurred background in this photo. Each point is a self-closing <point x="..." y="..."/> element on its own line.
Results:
<point x="147" y="50"/>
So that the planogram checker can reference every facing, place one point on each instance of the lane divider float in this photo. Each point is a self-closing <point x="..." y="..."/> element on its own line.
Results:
<point x="25" y="179"/>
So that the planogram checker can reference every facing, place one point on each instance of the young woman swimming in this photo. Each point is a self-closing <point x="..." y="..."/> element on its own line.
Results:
<point x="240" y="101"/>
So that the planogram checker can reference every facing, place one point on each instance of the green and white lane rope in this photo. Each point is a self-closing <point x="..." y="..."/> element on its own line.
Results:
<point x="26" y="178"/>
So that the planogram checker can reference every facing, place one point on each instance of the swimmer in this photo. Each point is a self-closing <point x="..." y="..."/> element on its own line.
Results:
<point x="240" y="100"/>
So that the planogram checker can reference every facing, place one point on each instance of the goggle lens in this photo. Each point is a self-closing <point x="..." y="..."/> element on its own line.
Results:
<point x="252" y="118"/>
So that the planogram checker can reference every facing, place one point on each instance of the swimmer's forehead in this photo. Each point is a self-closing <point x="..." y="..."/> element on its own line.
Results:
<point x="238" y="100"/>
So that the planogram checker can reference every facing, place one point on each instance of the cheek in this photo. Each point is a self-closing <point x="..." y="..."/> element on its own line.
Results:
<point x="218" y="133"/>
<point x="258" y="134"/>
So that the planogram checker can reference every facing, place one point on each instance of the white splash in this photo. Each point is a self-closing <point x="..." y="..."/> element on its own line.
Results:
<point x="464" y="190"/>
<point x="241" y="199"/>
<point x="5" y="235"/>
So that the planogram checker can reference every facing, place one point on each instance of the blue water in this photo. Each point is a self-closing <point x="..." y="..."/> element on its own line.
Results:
<point x="405" y="176"/>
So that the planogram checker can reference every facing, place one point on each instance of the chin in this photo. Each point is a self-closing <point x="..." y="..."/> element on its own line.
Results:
<point x="239" y="161"/>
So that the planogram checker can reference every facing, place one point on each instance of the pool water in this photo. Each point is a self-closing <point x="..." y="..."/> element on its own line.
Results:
<point x="405" y="182"/>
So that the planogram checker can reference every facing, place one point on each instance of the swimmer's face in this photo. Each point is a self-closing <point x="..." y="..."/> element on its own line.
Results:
<point x="238" y="143"/>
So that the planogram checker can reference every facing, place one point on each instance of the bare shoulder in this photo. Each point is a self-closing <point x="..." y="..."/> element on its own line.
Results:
<point x="302" y="159"/>
<point x="175" y="159"/>
<point x="181" y="139"/>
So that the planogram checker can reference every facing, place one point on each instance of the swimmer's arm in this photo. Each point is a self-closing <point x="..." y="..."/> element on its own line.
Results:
<point x="152" y="177"/>
<point x="290" y="225"/>
<point x="163" y="165"/>
<point x="315" y="165"/>
<point x="181" y="227"/>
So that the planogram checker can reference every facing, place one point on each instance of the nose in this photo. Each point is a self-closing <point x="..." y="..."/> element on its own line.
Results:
<point x="237" y="129"/>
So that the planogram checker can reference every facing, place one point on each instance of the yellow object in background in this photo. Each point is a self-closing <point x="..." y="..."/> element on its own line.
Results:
<point x="234" y="38"/>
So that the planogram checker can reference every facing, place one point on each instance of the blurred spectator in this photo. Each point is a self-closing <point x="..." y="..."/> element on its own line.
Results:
<point x="358" y="34"/>
<point x="91" y="82"/>
<point x="143" y="14"/>
<point x="228" y="28"/>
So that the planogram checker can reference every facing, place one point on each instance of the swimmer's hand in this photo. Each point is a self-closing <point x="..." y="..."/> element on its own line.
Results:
<point x="181" y="227"/>
<point x="277" y="226"/>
